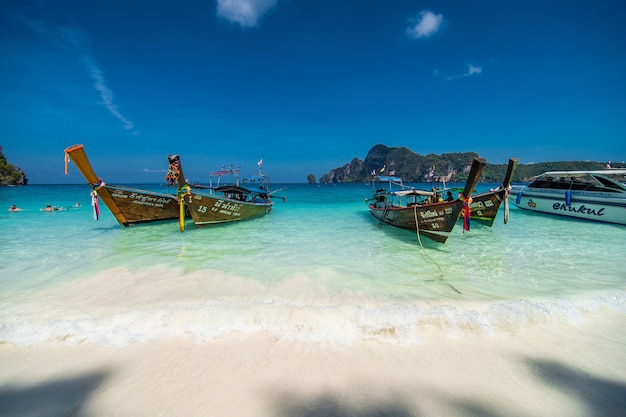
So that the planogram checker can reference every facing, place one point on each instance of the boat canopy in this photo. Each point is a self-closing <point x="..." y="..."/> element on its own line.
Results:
<point x="404" y="193"/>
<point x="224" y="172"/>
<point x="241" y="190"/>
<point x="232" y="189"/>
<point x="606" y="172"/>
<point x="384" y="178"/>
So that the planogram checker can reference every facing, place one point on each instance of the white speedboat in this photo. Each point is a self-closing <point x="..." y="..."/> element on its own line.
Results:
<point x="590" y="195"/>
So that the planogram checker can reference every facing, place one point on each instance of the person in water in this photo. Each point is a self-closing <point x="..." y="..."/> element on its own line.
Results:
<point x="13" y="208"/>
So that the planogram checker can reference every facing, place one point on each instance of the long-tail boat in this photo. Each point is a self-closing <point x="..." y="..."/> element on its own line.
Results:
<point x="422" y="211"/>
<point x="223" y="203"/>
<point x="128" y="205"/>
<point x="485" y="206"/>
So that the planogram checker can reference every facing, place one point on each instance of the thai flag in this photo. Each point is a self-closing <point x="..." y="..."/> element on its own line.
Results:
<point x="373" y="172"/>
<point x="392" y="173"/>
<point x="260" y="163"/>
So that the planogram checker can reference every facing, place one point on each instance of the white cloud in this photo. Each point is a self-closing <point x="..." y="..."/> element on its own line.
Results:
<point x="77" y="39"/>
<point x="244" y="12"/>
<point x="424" y="25"/>
<point x="77" y="42"/>
<point x="470" y="71"/>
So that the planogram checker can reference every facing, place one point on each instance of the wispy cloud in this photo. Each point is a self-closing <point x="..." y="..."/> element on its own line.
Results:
<point x="153" y="171"/>
<point x="470" y="71"/>
<point x="424" y="25"/>
<point x="77" y="42"/>
<point x="244" y="12"/>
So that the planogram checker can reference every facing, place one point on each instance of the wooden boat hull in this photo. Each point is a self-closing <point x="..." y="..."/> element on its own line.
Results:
<point x="128" y="205"/>
<point x="485" y="206"/>
<point x="139" y="206"/>
<point x="209" y="208"/>
<point x="206" y="209"/>
<point x="582" y="205"/>
<point x="434" y="221"/>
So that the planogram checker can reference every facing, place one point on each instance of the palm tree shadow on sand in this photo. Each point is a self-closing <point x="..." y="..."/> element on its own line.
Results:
<point x="61" y="397"/>
<point x="601" y="397"/>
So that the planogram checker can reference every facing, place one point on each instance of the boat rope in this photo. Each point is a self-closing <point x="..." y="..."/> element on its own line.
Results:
<point x="383" y="218"/>
<point x="417" y="230"/>
<point x="99" y="185"/>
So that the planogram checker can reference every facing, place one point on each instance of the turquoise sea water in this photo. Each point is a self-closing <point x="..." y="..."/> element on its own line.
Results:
<point x="318" y="268"/>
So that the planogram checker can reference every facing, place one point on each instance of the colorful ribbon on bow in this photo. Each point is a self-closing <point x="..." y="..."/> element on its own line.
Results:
<point x="467" y="212"/>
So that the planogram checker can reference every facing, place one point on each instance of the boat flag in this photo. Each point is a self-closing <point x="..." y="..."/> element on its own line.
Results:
<point x="608" y="165"/>
<point x="383" y="168"/>
<point x="260" y="163"/>
<point x="392" y="173"/>
<point x="373" y="172"/>
<point x="432" y="172"/>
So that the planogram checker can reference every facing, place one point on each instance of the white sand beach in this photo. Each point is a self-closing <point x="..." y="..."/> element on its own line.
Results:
<point x="541" y="373"/>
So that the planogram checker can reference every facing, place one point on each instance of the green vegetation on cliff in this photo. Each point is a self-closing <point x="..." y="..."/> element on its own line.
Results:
<point x="412" y="167"/>
<point x="10" y="174"/>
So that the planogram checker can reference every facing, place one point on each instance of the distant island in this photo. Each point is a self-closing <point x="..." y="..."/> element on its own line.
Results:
<point x="411" y="167"/>
<point x="10" y="174"/>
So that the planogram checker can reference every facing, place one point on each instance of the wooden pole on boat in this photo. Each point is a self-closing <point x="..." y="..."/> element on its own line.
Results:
<point x="506" y="184"/>
<point x="478" y="165"/>
<point x="79" y="157"/>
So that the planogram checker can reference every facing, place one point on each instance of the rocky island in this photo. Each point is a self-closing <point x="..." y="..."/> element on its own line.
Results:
<point x="10" y="174"/>
<point x="413" y="167"/>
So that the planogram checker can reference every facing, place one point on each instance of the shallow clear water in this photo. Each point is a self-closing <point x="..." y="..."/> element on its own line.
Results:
<point x="317" y="268"/>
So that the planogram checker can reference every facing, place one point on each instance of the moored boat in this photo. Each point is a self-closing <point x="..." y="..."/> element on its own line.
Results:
<point x="128" y="205"/>
<point x="590" y="195"/>
<point x="485" y="206"/>
<point x="421" y="211"/>
<point x="225" y="203"/>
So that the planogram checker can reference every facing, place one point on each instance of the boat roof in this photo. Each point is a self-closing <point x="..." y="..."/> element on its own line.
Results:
<point x="403" y="193"/>
<point x="224" y="172"/>
<point x="239" y="189"/>
<point x="388" y="178"/>
<point x="607" y="172"/>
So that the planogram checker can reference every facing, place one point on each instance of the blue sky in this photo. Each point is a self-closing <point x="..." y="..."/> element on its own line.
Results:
<point x="306" y="85"/>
